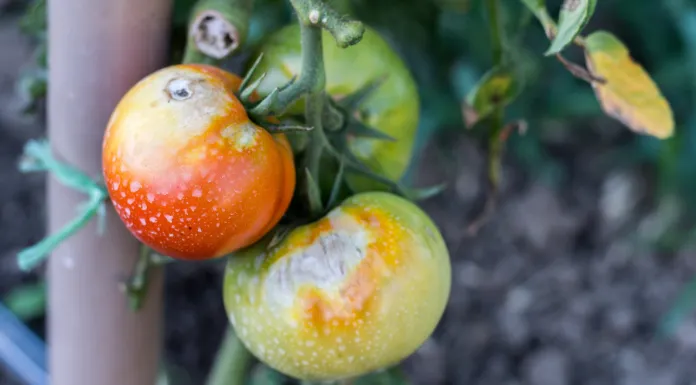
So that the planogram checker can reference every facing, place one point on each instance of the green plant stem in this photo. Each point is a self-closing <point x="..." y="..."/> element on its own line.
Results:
<point x="313" y="16"/>
<point x="492" y="8"/>
<point x="217" y="29"/>
<point x="497" y="122"/>
<point x="313" y="54"/>
<point x="232" y="362"/>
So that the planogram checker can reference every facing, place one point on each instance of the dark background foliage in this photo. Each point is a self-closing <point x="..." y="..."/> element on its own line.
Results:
<point x="588" y="259"/>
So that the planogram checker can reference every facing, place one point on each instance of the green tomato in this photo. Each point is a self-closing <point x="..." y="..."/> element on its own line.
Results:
<point x="356" y="291"/>
<point x="393" y="108"/>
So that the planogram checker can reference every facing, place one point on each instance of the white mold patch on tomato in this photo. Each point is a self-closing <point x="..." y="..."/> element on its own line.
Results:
<point x="325" y="264"/>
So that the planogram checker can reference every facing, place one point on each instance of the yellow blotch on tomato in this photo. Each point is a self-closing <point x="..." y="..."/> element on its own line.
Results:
<point x="356" y="291"/>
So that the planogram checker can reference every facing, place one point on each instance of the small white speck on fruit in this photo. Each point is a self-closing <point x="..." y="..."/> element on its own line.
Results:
<point x="197" y="193"/>
<point x="179" y="89"/>
<point x="153" y="219"/>
<point x="169" y="218"/>
<point x="314" y="16"/>
<point x="128" y="211"/>
<point x="180" y="196"/>
<point x="143" y="206"/>
<point x="130" y="201"/>
<point x="135" y="186"/>
<point x="142" y="220"/>
<point x="150" y="197"/>
<point x="115" y="186"/>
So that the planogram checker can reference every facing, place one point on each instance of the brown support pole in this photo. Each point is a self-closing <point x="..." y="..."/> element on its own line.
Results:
<point x="98" y="49"/>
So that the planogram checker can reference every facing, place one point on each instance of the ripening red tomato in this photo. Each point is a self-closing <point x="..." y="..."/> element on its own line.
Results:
<point x="187" y="171"/>
<point x="356" y="291"/>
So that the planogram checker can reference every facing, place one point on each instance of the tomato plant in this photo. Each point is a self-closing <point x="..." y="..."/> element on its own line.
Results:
<point x="392" y="107"/>
<point x="187" y="171"/>
<point x="356" y="291"/>
<point x="328" y="276"/>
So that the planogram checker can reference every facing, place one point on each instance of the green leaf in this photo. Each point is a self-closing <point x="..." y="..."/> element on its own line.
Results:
<point x="573" y="18"/>
<point x="538" y="8"/>
<point x="34" y="21"/>
<point x="534" y="5"/>
<point x="27" y="301"/>
<point x="497" y="88"/>
<point x="628" y="94"/>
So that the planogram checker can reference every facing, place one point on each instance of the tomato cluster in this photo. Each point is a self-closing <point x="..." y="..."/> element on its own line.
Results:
<point x="194" y="177"/>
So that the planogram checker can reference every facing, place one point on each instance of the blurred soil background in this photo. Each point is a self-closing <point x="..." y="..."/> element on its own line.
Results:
<point x="583" y="275"/>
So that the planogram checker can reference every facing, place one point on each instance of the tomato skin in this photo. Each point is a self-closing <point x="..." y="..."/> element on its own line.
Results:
<point x="189" y="174"/>
<point x="354" y="292"/>
<point x="393" y="108"/>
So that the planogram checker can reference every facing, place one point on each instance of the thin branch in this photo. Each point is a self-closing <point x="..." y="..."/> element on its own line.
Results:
<point x="497" y="121"/>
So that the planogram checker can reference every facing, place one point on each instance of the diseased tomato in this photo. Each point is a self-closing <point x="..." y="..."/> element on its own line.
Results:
<point x="393" y="108"/>
<point x="354" y="292"/>
<point x="187" y="171"/>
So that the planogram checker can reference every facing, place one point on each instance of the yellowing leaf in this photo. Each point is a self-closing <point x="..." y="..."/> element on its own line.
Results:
<point x="629" y="94"/>
<point x="498" y="87"/>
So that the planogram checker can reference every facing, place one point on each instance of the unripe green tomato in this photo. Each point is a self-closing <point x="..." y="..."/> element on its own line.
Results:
<point x="392" y="109"/>
<point x="356" y="291"/>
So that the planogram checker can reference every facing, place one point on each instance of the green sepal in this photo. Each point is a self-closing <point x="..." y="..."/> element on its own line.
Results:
<point x="359" y="129"/>
<point x="285" y="128"/>
<point x="353" y="101"/>
<point x="246" y="92"/>
<point x="313" y="193"/>
<point x="265" y="104"/>
<point x="250" y="73"/>
<point x="338" y="182"/>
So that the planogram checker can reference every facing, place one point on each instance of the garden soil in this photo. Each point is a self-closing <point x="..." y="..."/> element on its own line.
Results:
<point x="557" y="289"/>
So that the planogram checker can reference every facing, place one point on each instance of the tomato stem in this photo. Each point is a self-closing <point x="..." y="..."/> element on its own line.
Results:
<point x="217" y="29"/>
<point x="313" y="16"/>
<point x="232" y="362"/>
<point x="313" y="57"/>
